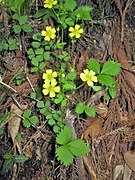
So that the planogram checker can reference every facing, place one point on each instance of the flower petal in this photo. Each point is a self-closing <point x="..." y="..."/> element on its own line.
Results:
<point x="43" y="33"/>
<point x="57" y="89"/>
<point x="77" y="35"/>
<point x="48" y="28"/>
<point x="47" y="38"/>
<point x="54" y="74"/>
<point x="80" y="30"/>
<point x="90" y="83"/>
<point x="92" y="73"/>
<point x="77" y="26"/>
<point x="83" y="77"/>
<point x="52" y="36"/>
<point x="86" y="71"/>
<point x="71" y="29"/>
<point x="45" y="91"/>
<point x="52" y="94"/>
<point x="44" y="76"/>
<point x="49" y="71"/>
<point x="94" y="79"/>
<point x="71" y="34"/>
<point x="53" y="83"/>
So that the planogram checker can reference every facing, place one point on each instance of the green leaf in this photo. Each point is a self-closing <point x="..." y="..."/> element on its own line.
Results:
<point x="107" y="97"/>
<point x="49" y="116"/>
<point x="22" y="20"/>
<point x="80" y="108"/>
<point x="64" y="136"/>
<point x="26" y="123"/>
<point x="27" y="113"/>
<point x="17" y="29"/>
<point x="37" y="36"/>
<point x="35" y="62"/>
<point x="70" y="5"/>
<point x="106" y="80"/>
<point x="47" y="55"/>
<point x="8" y="156"/>
<point x="64" y="155"/>
<point x="39" y="51"/>
<point x="96" y="88"/>
<point x="82" y="13"/>
<point x="112" y="92"/>
<point x="36" y="44"/>
<point x="20" y="158"/>
<point x="90" y="111"/>
<point x="41" y="66"/>
<point x="94" y="65"/>
<point x="35" y="69"/>
<point x="26" y="28"/>
<point x="64" y="102"/>
<point x="40" y="13"/>
<point x="111" y="68"/>
<point x="8" y="163"/>
<point x="56" y="128"/>
<point x="33" y="119"/>
<point x="51" y="122"/>
<point x="47" y="104"/>
<point x="78" y="147"/>
<point x="40" y="104"/>
<point x="69" y="21"/>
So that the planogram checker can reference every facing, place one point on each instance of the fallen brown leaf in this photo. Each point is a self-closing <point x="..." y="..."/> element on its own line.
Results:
<point x="129" y="157"/>
<point x="94" y="130"/>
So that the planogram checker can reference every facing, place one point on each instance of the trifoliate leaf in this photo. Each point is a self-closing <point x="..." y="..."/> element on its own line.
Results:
<point x="111" y="68"/>
<point x="80" y="108"/>
<point x="33" y="119"/>
<point x="64" y="136"/>
<point x="40" y="104"/>
<point x="26" y="123"/>
<point x="106" y="80"/>
<point x="20" y="158"/>
<point x="64" y="155"/>
<point x="90" y="111"/>
<point x="78" y="147"/>
<point x="112" y="92"/>
<point x="70" y="5"/>
<point x="94" y="65"/>
<point x="27" y="113"/>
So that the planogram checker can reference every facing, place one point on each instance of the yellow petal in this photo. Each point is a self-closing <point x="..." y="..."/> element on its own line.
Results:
<point x="57" y="89"/>
<point x="49" y="71"/>
<point x="46" y="85"/>
<point x="71" y="34"/>
<point x="53" y="83"/>
<point x="80" y="30"/>
<point x="52" y="94"/>
<point x="43" y="33"/>
<point x="77" y="26"/>
<point x="94" y="79"/>
<point x="53" y="36"/>
<point x="55" y="2"/>
<point x="86" y="71"/>
<point x="54" y="74"/>
<point x="44" y="76"/>
<point x="77" y="35"/>
<point x="45" y="91"/>
<point x="83" y="77"/>
<point x="53" y="30"/>
<point x="90" y="83"/>
<point x="48" y="28"/>
<point x="92" y="73"/>
<point x="71" y="29"/>
<point x="47" y="38"/>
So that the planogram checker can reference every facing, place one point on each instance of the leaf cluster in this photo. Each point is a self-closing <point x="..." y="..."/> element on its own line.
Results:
<point x="69" y="149"/>
<point x="10" y="159"/>
<point x="29" y="120"/>
<point x="54" y="117"/>
<point x="105" y="74"/>
<point x="22" y="25"/>
<point x="81" y="108"/>
<point x="10" y="44"/>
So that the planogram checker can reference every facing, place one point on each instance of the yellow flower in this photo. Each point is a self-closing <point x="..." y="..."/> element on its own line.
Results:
<point x="49" y="33"/>
<point x="49" y="3"/>
<point x="0" y="0"/>
<point x="88" y="76"/>
<point x="49" y="76"/>
<point x="76" y="31"/>
<point x="50" y="88"/>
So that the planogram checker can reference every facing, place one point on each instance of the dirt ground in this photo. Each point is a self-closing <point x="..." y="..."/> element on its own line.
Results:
<point x="113" y="147"/>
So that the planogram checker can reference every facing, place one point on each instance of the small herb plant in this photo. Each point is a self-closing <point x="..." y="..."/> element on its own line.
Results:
<point x="22" y="25"/>
<point x="29" y="120"/>
<point x="10" y="159"/>
<point x="10" y="44"/>
<point x="69" y="148"/>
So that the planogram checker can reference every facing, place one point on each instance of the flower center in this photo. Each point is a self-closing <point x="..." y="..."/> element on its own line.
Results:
<point x="89" y="78"/>
<point x="49" y="33"/>
<point x="50" y="88"/>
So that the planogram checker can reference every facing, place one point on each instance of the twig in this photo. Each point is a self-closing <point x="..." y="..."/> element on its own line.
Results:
<point x="8" y="86"/>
